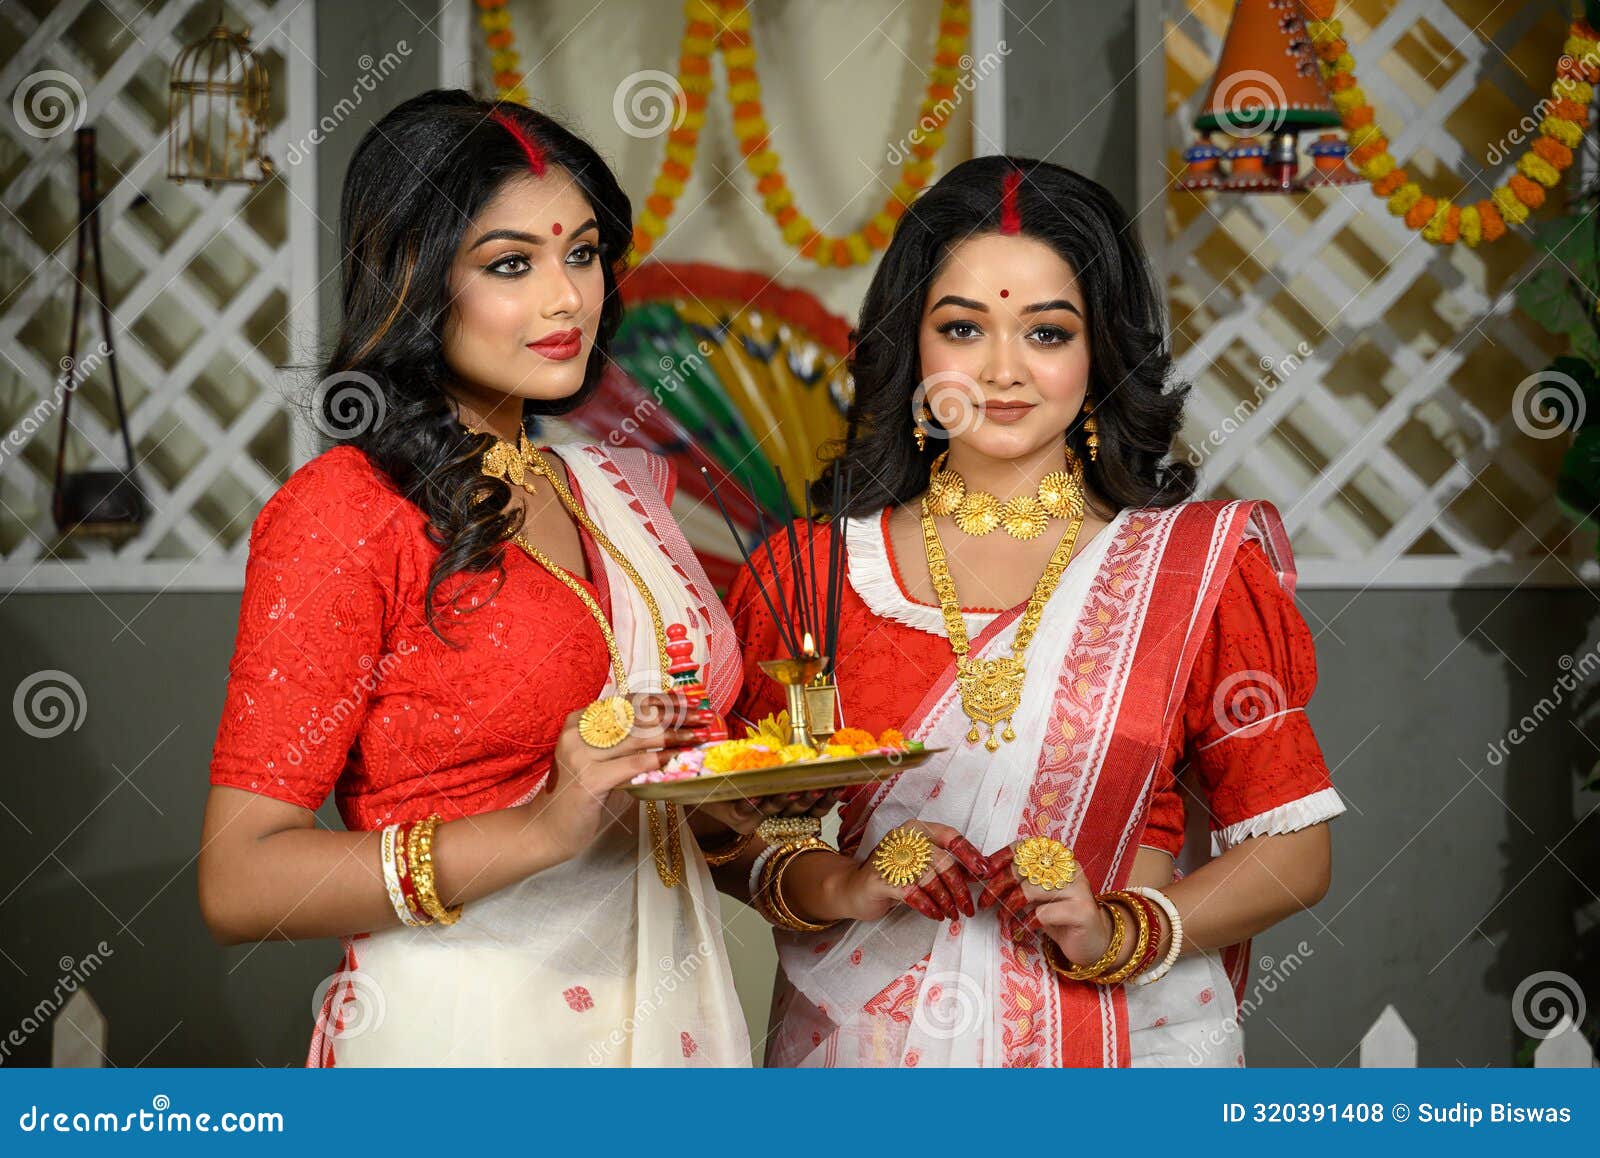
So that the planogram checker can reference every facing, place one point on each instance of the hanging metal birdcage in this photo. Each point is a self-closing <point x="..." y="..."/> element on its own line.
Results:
<point x="217" y="111"/>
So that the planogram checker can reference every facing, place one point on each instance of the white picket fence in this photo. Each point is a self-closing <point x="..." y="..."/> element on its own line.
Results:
<point x="1390" y="1043"/>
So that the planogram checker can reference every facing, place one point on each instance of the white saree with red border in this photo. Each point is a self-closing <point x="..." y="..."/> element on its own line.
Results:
<point x="1105" y="678"/>
<point x="593" y="962"/>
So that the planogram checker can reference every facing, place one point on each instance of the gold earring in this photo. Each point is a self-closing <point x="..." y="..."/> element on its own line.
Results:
<point x="922" y="434"/>
<point x="1091" y="427"/>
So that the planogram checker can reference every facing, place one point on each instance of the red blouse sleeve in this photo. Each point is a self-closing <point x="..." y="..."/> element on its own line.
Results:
<point x="1246" y="742"/>
<point x="311" y="626"/>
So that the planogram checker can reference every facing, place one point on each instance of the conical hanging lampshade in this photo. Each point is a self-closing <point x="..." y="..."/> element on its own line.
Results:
<point x="1265" y="91"/>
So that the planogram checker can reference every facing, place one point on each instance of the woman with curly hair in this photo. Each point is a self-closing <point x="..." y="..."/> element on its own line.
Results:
<point x="1032" y="591"/>
<point x="467" y="639"/>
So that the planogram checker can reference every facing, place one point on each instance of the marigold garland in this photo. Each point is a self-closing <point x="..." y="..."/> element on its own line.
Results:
<point x="713" y="26"/>
<point x="1439" y="220"/>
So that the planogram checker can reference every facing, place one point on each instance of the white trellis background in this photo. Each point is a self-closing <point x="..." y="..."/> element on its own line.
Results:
<point x="213" y="292"/>
<point x="1386" y="440"/>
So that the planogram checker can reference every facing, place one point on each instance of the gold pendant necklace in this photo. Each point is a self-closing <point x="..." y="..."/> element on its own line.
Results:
<point x="606" y="722"/>
<point x="1060" y="496"/>
<point x="991" y="689"/>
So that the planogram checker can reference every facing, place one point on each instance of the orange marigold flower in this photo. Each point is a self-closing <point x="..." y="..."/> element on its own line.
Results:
<point x="1389" y="182"/>
<point x="1494" y="225"/>
<point x="753" y="758"/>
<point x="1530" y="193"/>
<point x="1553" y="151"/>
<point x="855" y="737"/>
<point x="1421" y="213"/>
<point x="891" y="738"/>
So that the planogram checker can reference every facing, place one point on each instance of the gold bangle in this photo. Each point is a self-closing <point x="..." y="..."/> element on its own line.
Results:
<point x="1131" y="965"/>
<point x="769" y="900"/>
<point x="1089" y="972"/>
<point x="419" y="854"/>
<point x="728" y="851"/>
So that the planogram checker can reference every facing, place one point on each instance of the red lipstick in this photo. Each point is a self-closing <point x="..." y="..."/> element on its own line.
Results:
<point x="560" y="346"/>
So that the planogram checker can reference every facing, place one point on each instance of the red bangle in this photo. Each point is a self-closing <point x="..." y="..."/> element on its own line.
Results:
<point x="402" y="866"/>
<point x="1153" y="950"/>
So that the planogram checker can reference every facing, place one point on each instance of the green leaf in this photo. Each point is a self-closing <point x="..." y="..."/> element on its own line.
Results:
<point x="1578" y="477"/>
<point x="1546" y="297"/>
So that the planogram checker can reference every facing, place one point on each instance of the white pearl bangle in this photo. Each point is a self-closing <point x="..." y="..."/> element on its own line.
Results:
<point x="761" y="863"/>
<point x="391" y="878"/>
<point x="1174" y="920"/>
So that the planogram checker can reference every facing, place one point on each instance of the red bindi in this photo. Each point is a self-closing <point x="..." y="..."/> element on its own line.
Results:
<point x="1005" y="293"/>
<point x="556" y="229"/>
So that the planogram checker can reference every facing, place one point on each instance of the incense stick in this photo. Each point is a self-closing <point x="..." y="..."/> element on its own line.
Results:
<point x="738" y="540"/>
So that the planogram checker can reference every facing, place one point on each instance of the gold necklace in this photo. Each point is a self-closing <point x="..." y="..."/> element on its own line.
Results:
<point x="991" y="689"/>
<point x="1060" y="496"/>
<point x="605" y="723"/>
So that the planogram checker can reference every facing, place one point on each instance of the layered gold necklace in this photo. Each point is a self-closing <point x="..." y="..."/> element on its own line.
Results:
<point x="606" y="722"/>
<point x="991" y="689"/>
<point x="1060" y="496"/>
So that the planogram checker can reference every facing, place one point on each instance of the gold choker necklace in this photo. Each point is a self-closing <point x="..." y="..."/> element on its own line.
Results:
<point x="1060" y="496"/>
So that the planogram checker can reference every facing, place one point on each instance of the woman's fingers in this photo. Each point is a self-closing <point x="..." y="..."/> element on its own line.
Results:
<point x="958" y="884"/>
<point x="916" y="899"/>
<point x="960" y="847"/>
<point x="610" y="774"/>
<point x="934" y="889"/>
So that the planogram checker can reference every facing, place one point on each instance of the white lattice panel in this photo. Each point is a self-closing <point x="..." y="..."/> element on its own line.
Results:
<point x="212" y="291"/>
<point x="1347" y="370"/>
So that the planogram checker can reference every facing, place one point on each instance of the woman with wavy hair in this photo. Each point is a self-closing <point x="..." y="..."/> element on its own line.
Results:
<point x="1031" y="589"/>
<point x="473" y="642"/>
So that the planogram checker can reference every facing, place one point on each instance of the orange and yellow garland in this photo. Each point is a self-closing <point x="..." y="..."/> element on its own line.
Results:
<point x="723" y="26"/>
<point x="504" y="60"/>
<point x="1439" y="220"/>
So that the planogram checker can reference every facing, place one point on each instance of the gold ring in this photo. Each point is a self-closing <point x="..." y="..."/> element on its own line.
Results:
<point x="606" y="723"/>
<point x="902" y="856"/>
<point x="1045" y="863"/>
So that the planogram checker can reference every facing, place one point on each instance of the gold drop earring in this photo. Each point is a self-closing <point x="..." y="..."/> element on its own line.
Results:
<point x="1091" y="427"/>
<point x="921" y="432"/>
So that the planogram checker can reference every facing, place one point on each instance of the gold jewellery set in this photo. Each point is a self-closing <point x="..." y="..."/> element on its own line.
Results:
<point x="991" y="689"/>
<point x="605" y="723"/>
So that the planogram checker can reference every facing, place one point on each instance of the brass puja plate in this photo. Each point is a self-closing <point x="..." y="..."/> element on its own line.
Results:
<point x="801" y="776"/>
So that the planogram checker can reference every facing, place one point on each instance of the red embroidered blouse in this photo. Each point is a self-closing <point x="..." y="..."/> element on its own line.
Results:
<point x="1257" y="659"/>
<point x="338" y="684"/>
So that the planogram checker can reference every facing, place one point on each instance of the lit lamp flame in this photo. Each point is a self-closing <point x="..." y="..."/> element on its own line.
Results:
<point x="808" y="646"/>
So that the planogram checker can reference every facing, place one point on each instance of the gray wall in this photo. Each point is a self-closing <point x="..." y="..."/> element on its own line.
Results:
<point x="1454" y="878"/>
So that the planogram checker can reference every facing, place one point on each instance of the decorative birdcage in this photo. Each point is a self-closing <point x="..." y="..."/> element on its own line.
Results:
<point x="217" y="111"/>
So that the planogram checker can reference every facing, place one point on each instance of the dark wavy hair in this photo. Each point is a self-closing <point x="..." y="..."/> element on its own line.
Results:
<point x="416" y="180"/>
<point x="1139" y="412"/>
